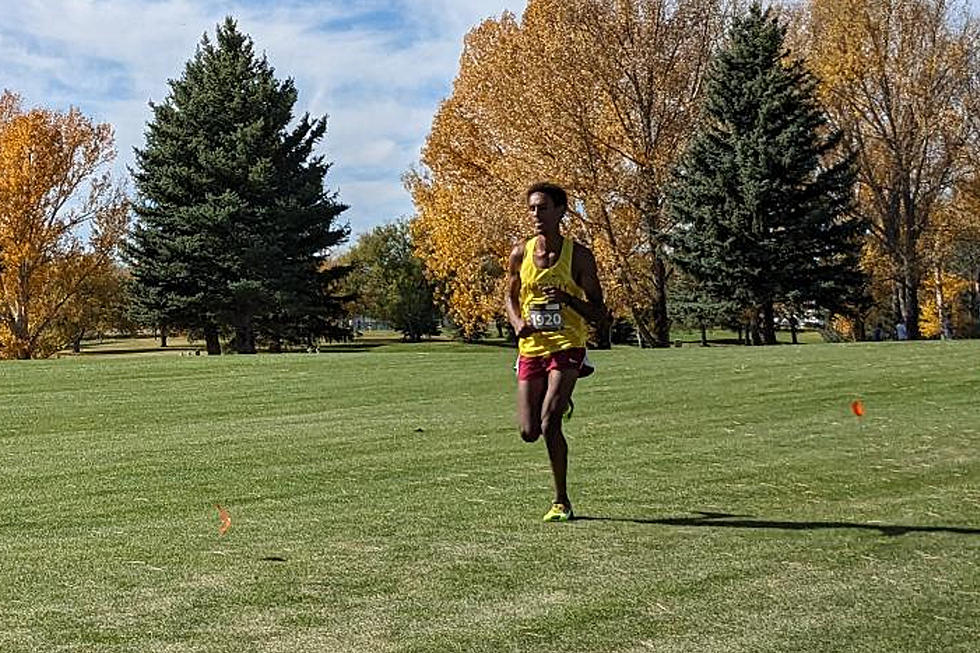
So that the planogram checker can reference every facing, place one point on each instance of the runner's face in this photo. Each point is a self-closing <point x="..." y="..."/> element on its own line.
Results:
<point x="543" y="211"/>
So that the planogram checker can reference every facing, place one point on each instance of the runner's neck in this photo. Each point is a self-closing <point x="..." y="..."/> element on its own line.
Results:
<point x="550" y="243"/>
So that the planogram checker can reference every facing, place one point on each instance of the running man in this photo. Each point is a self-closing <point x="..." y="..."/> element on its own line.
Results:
<point x="552" y="290"/>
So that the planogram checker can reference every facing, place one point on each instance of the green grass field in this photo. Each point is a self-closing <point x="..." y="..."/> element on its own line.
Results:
<point x="381" y="500"/>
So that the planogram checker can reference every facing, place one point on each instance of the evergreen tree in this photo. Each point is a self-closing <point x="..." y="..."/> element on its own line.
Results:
<point x="694" y="308"/>
<point x="763" y="193"/>
<point x="234" y="222"/>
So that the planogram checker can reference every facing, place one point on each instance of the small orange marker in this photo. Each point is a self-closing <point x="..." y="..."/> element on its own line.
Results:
<point x="224" y="518"/>
<point x="857" y="407"/>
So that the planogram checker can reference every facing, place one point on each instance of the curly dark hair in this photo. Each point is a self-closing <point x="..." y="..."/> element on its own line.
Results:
<point x="555" y="192"/>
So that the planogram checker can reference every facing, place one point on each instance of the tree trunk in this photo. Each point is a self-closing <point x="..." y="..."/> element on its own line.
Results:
<point x="753" y="330"/>
<point x="910" y="291"/>
<point x="898" y="308"/>
<point x="704" y="335"/>
<point x="661" y="321"/>
<point x="643" y="335"/>
<point x="163" y="335"/>
<point x="211" y="340"/>
<point x="860" y="332"/>
<point x="768" y="323"/>
<point x="792" y="330"/>
<point x="20" y="341"/>
<point x="603" y="332"/>
<point x="976" y="293"/>
<point x="245" y="338"/>
<point x="937" y="277"/>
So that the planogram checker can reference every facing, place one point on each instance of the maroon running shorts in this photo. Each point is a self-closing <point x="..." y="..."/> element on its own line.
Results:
<point x="532" y="367"/>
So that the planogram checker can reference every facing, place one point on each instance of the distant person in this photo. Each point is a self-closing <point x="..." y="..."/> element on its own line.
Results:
<point x="552" y="290"/>
<point x="947" y="328"/>
<point x="877" y="332"/>
<point x="900" y="331"/>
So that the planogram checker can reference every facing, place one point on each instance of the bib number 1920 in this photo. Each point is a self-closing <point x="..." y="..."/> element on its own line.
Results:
<point x="546" y="317"/>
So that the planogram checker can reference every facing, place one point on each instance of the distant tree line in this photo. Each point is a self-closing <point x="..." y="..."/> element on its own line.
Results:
<point x="235" y="240"/>
<point x="734" y="168"/>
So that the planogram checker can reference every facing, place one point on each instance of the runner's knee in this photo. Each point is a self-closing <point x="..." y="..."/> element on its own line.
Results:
<point x="530" y="434"/>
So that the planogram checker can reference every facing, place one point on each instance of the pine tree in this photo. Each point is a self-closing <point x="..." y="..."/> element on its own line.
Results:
<point x="234" y="222"/>
<point x="692" y="307"/>
<point x="763" y="192"/>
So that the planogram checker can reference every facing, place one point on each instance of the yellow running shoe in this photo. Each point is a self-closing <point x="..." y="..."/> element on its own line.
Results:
<point x="559" y="512"/>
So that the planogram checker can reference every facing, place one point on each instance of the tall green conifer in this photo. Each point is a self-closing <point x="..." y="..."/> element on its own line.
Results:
<point x="234" y="222"/>
<point x="763" y="192"/>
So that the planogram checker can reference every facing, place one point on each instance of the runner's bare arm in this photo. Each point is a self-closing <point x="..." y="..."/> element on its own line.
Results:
<point x="586" y="275"/>
<point x="512" y="296"/>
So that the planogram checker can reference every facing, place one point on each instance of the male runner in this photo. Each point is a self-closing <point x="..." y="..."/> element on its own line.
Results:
<point x="552" y="290"/>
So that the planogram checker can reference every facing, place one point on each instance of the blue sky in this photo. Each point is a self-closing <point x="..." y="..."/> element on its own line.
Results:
<point x="377" y="68"/>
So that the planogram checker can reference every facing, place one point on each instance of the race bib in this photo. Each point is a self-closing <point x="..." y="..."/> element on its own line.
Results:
<point x="546" y="317"/>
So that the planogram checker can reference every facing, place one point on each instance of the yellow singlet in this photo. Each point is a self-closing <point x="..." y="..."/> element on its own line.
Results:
<point x="561" y="327"/>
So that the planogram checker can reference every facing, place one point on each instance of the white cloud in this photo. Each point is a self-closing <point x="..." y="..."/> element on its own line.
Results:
<point x="378" y="68"/>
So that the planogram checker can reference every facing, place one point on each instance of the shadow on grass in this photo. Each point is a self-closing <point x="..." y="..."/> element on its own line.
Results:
<point x="354" y="347"/>
<point x="342" y="348"/>
<point x="724" y="520"/>
<point x="500" y="344"/>
<point x="131" y="350"/>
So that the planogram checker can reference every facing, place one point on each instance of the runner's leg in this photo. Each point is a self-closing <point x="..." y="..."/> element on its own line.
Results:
<point x="530" y="396"/>
<point x="561" y="383"/>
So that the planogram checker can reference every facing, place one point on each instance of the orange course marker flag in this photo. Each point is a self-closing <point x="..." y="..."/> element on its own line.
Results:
<point x="857" y="407"/>
<point x="224" y="518"/>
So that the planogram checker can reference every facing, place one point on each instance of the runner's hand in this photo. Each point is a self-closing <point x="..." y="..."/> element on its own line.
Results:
<point x="555" y="294"/>
<point x="525" y="330"/>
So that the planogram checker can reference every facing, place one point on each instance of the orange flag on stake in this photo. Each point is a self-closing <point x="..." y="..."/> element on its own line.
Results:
<point x="224" y="518"/>
<point x="857" y="407"/>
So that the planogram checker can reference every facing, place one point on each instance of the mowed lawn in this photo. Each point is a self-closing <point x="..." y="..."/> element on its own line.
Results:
<point x="381" y="500"/>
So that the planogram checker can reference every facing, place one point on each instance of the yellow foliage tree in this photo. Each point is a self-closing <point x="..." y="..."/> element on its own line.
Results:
<point x="100" y="306"/>
<point x="952" y="231"/>
<point x="939" y="305"/>
<point x="953" y="251"/>
<point x="597" y="96"/>
<point x="51" y="191"/>
<point x="900" y="77"/>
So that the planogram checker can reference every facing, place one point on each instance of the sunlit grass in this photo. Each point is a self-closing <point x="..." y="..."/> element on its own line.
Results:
<point x="381" y="500"/>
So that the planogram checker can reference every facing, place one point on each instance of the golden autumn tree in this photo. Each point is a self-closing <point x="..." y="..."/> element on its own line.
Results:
<point x="901" y="78"/>
<point x="968" y="257"/>
<point x="53" y="191"/>
<point x="101" y="305"/>
<point x="953" y="236"/>
<point x="596" y="96"/>
<point x="952" y="249"/>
